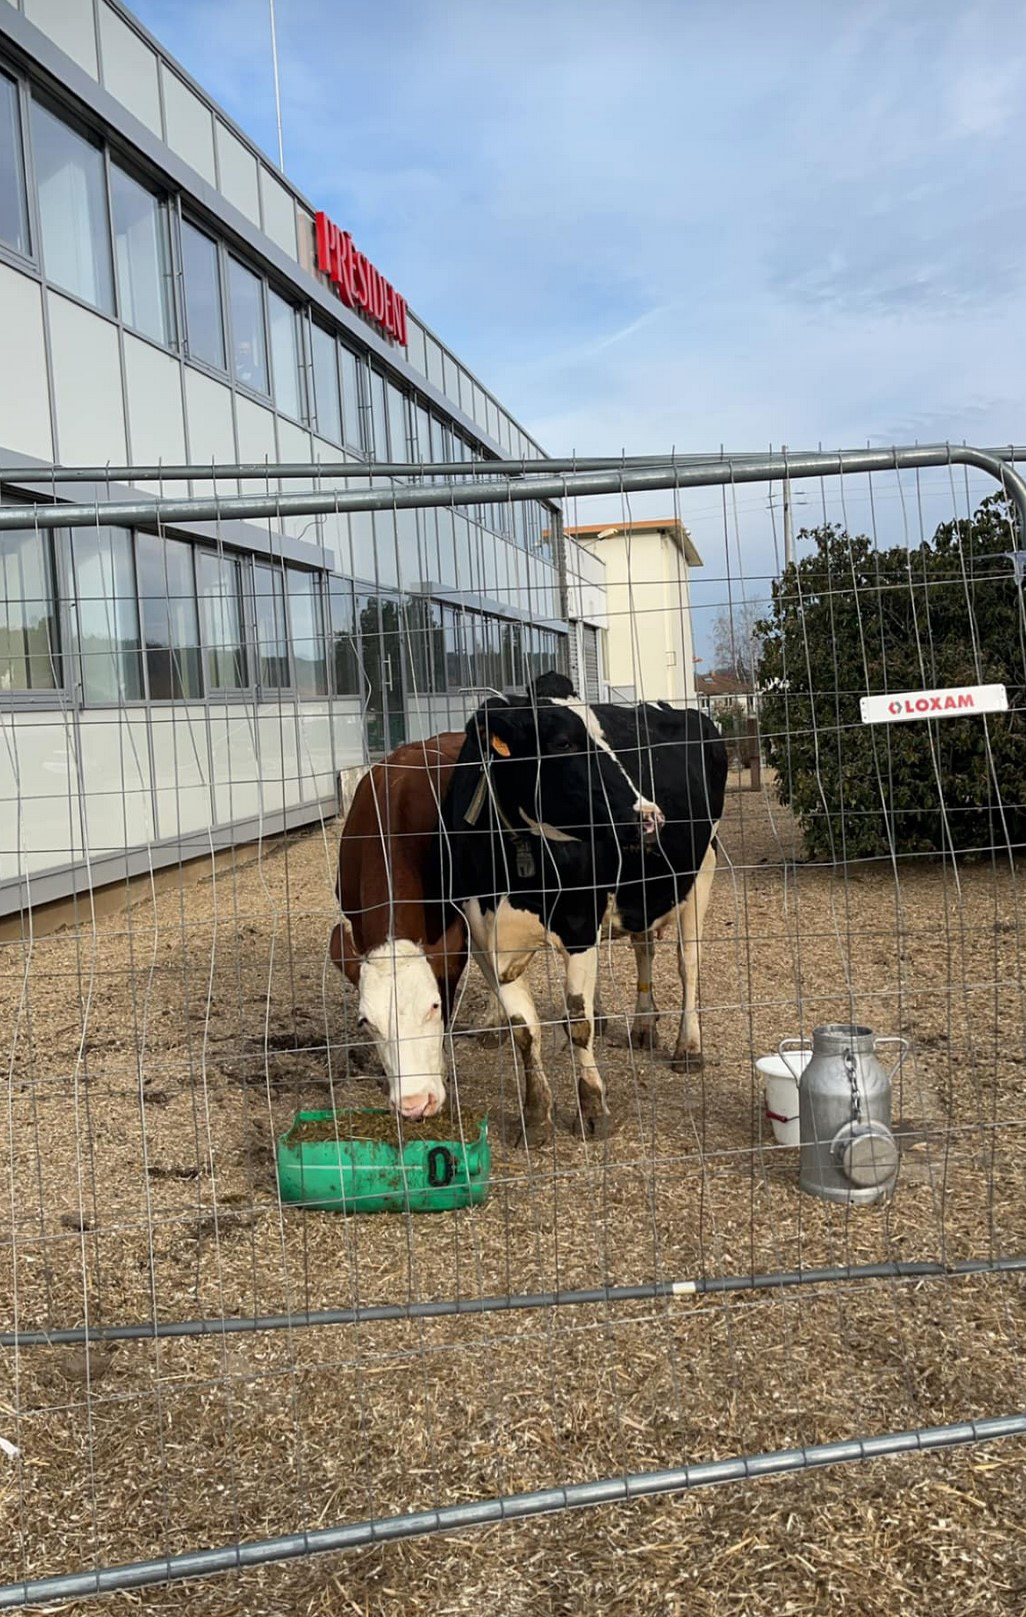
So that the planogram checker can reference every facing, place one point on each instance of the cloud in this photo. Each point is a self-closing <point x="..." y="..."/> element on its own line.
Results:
<point x="693" y="226"/>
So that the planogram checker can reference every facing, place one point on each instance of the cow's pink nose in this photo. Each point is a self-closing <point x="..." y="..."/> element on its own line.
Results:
<point x="652" y="818"/>
<point x="416" y="1107"/>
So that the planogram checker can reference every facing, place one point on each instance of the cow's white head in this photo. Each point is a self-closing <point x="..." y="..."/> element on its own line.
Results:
<point x="401" y="1010"/>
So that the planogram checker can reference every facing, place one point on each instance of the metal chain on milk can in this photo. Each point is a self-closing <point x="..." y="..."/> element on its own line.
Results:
<point x="853" y="1078"/>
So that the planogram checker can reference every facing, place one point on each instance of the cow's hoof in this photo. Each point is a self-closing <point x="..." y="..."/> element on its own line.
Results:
<point x="598" y="1126"/>
<point x="593" y="1112"/>
<point x="688" y="1061"/>
<point x="536" y="1133"/>
<point x="645" y="1034"/>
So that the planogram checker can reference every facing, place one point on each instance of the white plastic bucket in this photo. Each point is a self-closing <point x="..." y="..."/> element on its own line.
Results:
<point x="780" y="1075"/>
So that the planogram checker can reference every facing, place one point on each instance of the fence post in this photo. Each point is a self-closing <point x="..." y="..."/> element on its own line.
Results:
<point x="754" y="755"/>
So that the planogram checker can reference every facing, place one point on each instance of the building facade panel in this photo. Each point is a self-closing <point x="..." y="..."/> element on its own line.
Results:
<point x="25" y="409"/>
<point x="71" y="24"/>
<point x="190" y="125"/>
<point x="164" y="302"/>
<point x="88" y="393"/>
<point x="130" y="70"/>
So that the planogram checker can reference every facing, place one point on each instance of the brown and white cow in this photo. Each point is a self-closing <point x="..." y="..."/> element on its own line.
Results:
<point x="397" y="943"/>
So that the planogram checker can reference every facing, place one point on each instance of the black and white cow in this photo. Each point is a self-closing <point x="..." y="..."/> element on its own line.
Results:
<point x="678" y="757"/>
<point x="537" y="824"/>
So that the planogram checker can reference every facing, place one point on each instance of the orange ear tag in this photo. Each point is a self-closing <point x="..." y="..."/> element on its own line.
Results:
<point x="499" y="746"/>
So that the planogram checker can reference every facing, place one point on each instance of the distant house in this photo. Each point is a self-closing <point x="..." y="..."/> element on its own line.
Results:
<point x="649" y="646"/>
<point x="722" y="691"/>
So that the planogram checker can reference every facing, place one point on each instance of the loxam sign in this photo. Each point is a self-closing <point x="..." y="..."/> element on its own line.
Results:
<point x="954" y="701"/>
<point x="360" y="285"/>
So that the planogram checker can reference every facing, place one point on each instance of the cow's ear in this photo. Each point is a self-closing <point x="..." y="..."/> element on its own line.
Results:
<point x="495" y="729"/>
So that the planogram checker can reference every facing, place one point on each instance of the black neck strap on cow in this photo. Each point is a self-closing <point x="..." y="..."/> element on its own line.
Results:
<point x="525" y="858"/>
<point x="538" y="828"/>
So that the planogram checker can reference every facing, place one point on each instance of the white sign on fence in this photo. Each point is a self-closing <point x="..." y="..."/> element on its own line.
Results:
<point x="954" y="702"/>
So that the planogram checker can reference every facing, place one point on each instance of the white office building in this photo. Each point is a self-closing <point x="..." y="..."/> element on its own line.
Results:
<point x="166" y="296"/>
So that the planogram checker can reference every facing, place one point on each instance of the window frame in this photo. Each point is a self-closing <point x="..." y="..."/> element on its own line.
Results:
<point x="65" y="686"/>
<point x="317" y="594"/>
<point x="261" y="691"/>
<point x="168" y="701"/>
<point x="36" y="94"/>
<point x="354" y="436"/>
<point x="346" y="586"/>
<point x="83" y="702"/>
<point x="315" y="421"/>
<point x="31" y="255"/>
<point x="299" y="328"/>
<point x="248" y="388"/>
<point x="166" y="205"/>
<point x="221" y="372"/>
<point x="247" y="629"/>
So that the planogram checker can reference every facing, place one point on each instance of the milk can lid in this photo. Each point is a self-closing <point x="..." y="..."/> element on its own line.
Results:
<point x="870" y="1157"/>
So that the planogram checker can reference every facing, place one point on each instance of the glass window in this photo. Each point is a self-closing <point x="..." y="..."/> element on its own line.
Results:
<point x="29" y="649"/>
<point x="352" y="415"/>
<point x="288" y="379"/>
<point x="456" y="675"/>
<point x="271" y="632"/>
<point x="424" y="646"/>
<point x="423" y="434"/>
<point x="106" y="615"/>
<point x="249" y="345"/>
<point x="220" y="599"/>
<point x="379" y="418"/>
<point x="435" y="451"/>
<point x="397" y="435"/>
<point x="204" y="319"/>
<point x="13" y="209"/>
<point x="170" y="622"/>
<point x="325" y="372"/>
<point x="142" y="253"/>
<point x="345" y="654"/>
<point x="512" y="656"/>
<point x="491" y="655"/>
<point x="307" y="622"/>
<point x="72" y="210"/>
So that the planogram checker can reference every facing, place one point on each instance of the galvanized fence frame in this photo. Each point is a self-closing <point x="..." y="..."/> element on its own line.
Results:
<point x="519" y="480"/>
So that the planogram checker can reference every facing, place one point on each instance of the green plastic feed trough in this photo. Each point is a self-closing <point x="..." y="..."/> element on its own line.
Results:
<point x="352" y="1162"/>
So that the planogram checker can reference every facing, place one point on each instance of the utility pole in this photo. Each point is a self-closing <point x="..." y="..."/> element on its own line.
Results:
<point x="788" y="530"/>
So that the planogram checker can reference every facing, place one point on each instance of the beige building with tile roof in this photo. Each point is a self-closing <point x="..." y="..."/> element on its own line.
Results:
<point x="649" y="641"/>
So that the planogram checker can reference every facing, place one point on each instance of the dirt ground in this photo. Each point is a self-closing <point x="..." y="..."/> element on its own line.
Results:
<point x="153" y="1059"/>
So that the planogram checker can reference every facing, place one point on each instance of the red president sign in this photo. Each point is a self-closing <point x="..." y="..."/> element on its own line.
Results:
<point x="359" y="284"/>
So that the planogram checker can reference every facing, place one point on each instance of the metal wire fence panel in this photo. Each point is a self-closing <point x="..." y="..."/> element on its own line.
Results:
<point x="199" y="1377"/>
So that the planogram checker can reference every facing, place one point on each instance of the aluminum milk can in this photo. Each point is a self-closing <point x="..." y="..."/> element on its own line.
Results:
<point x="848" y="1153"/>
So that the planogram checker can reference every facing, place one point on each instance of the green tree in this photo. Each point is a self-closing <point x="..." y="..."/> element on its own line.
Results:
<point x="849" y="620"/>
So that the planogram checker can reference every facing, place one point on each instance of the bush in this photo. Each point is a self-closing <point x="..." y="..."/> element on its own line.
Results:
<point x="850" y="620"/>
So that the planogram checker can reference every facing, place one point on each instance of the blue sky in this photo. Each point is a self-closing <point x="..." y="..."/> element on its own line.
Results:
<point x="681" y="222"/>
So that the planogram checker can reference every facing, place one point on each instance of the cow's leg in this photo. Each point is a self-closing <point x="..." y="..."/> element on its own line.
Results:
<point x="600" y="1019"/>
<point x="490" y="1032"/>
<point x="645" y="1026"/>
<point x="581" y="976"/>
<point x="690" y="922"/>
<point x="504" y="943"/>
